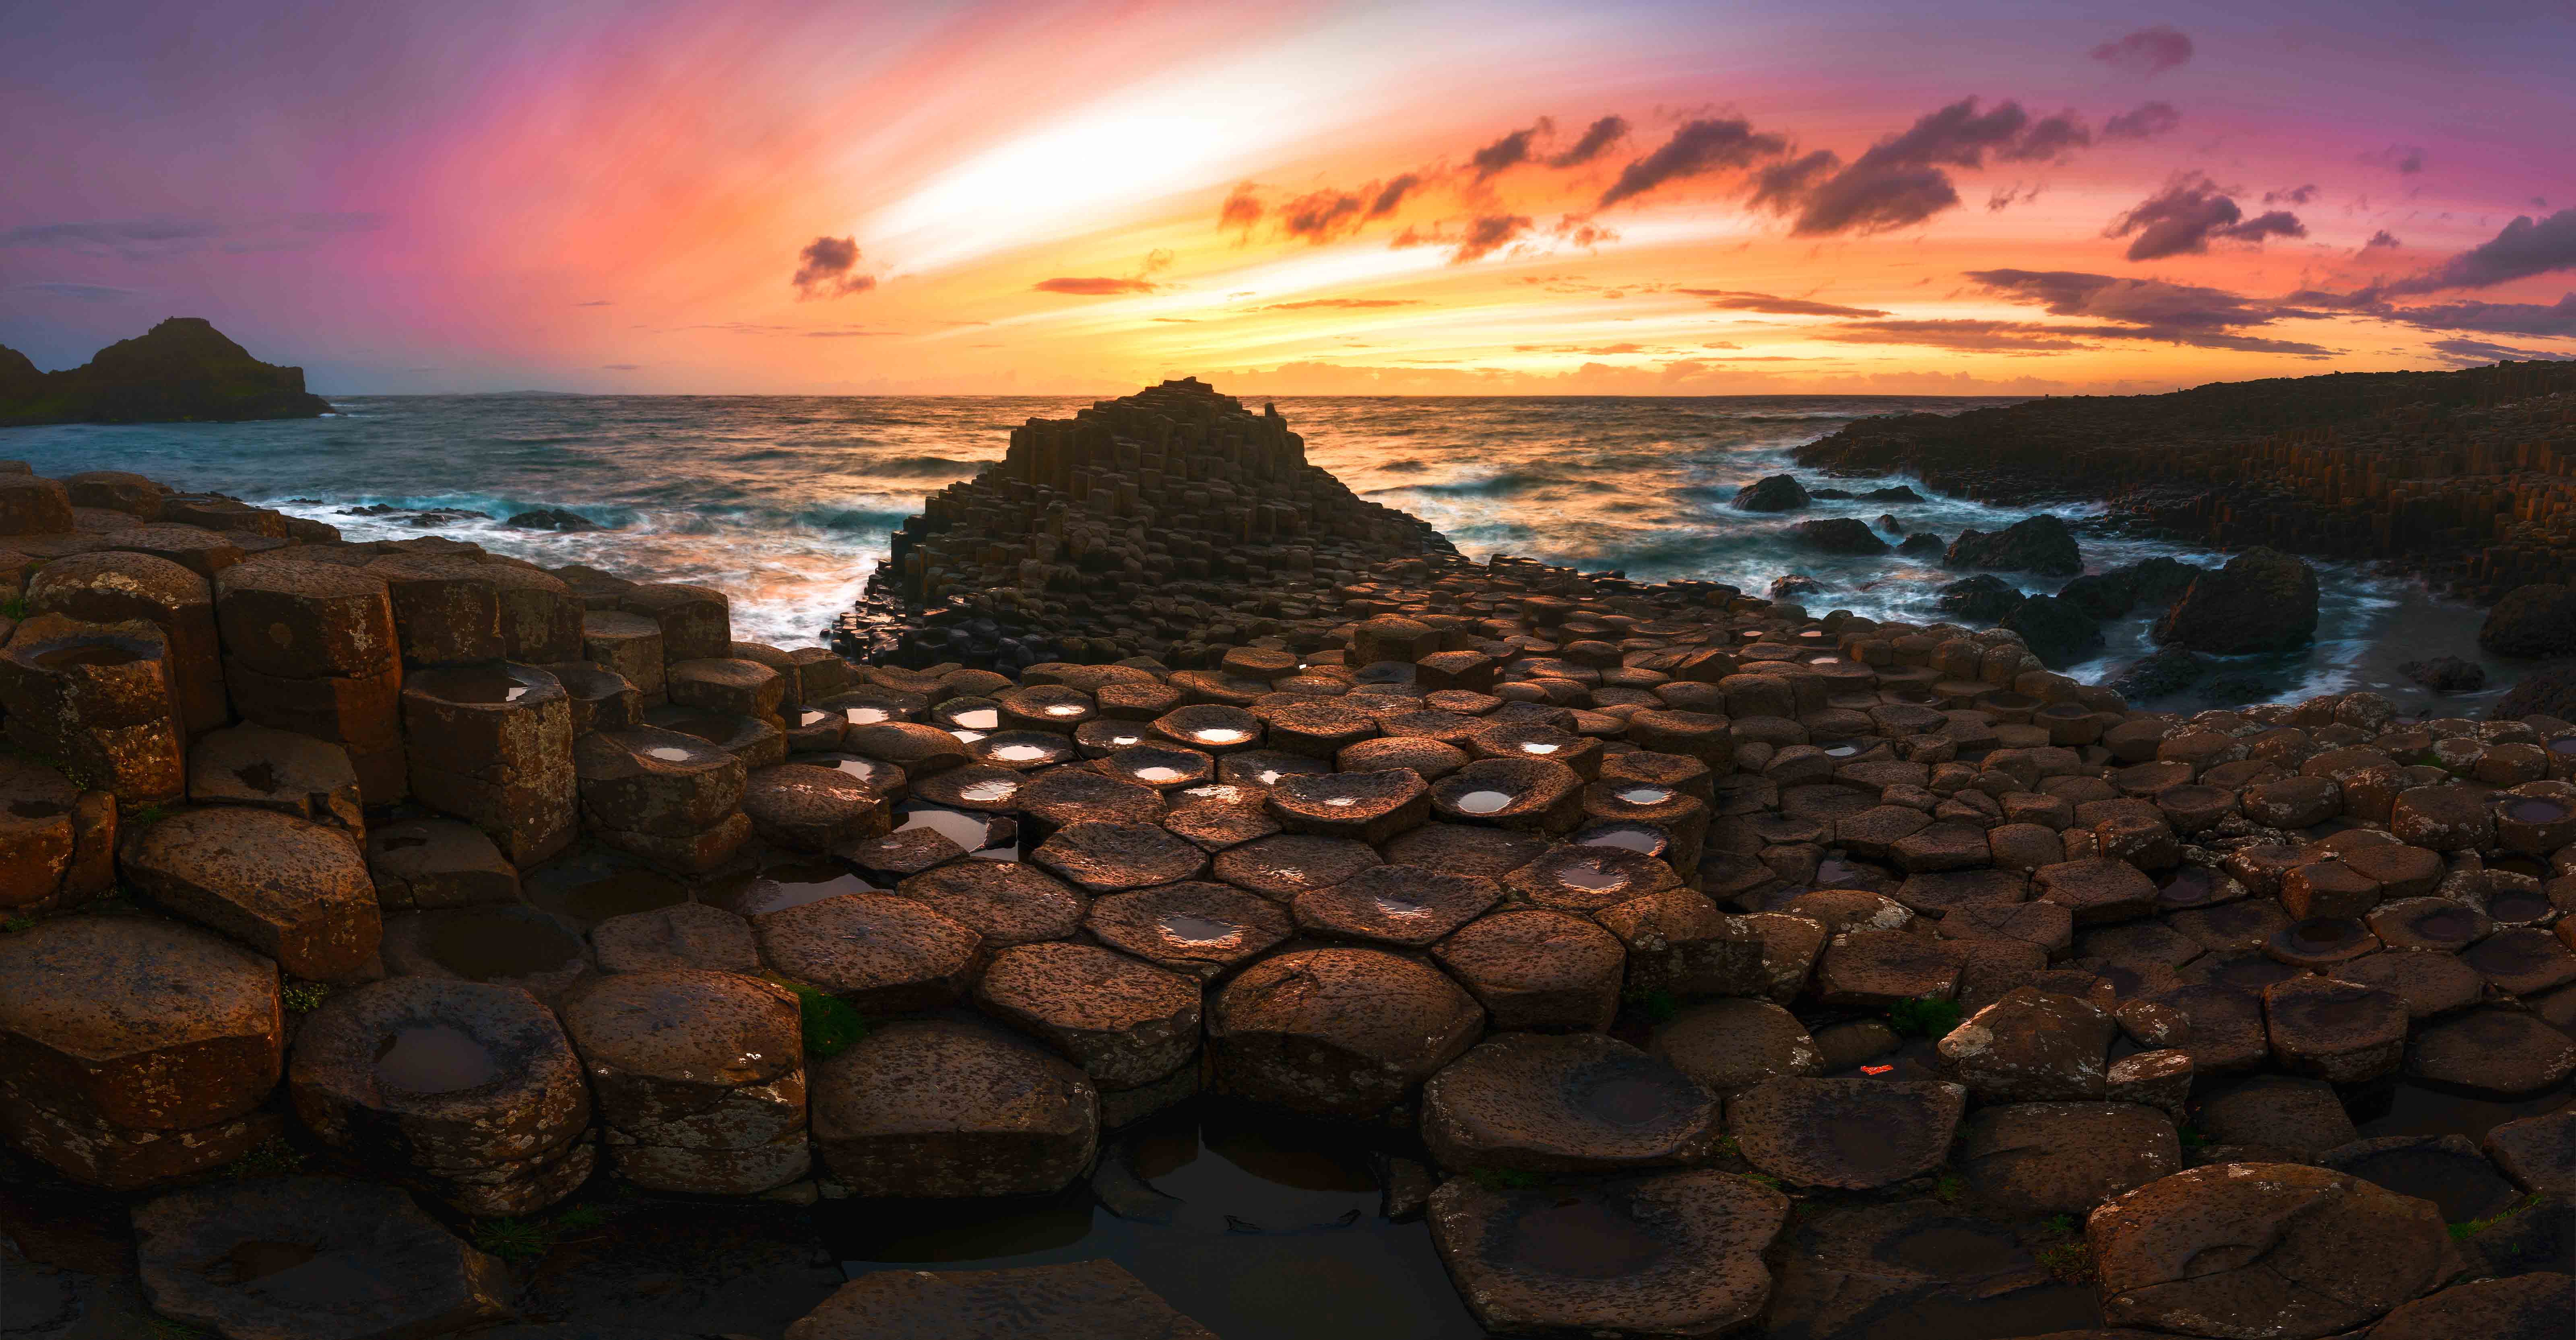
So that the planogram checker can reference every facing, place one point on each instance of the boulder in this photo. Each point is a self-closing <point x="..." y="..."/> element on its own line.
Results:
<point x="296" y="891"/>
<point x="1839" y="535"/>
<point x="2031" y="1046"/>
<point x="2274" y="1250"/>
<point x="2055" y="630"/>
<point x="311" y="1258"/>
<point x="2536" y="621"/>
<point x="1984" y="598"/>
<point x="2040" y="544"/>
<point x="1771" y="493"/>
<point x="699" y="1079"/>
<point x="2261" y="601"/>
<point x="2446" y="674"/>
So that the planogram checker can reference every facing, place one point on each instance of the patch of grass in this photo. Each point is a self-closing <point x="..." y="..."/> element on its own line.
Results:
<point x="2058" y="1226"/>
<point x="304" y="997"/>
<point x="1763" y="1179"/>
<point x="1505" y="1179"/>
<point x="2071" y="1262"/>
<point x="1950" y="1189"/>
<point x="149" y="814"/>
<point x="2467" y="1229"/>
<point x="828" y="1022"/>
<point x="1726" y="1148"/>
<point x="581" y="1217"/>
<point x="513" y="1239"/>
<point x="272" y="1158"/>
<point x="2193" y="1137"/>
<point x="13" y="607"/>
<point x="18" y="924"/>
<point x="1924" y="1017"/>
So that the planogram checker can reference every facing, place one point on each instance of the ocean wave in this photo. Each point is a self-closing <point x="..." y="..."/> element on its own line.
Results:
<point x="903" y="467"/>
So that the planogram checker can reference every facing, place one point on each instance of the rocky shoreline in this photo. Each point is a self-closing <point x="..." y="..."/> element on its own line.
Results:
<point x="401" y="912"/>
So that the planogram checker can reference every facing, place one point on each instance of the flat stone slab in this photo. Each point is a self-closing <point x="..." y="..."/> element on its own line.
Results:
<point x="1851" y="1133"/>
<point x="1092" y="1300"/>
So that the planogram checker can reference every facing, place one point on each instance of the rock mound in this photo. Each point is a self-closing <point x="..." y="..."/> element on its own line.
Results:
<point x="2263" y="600"/>
<point x="182" y="369"/>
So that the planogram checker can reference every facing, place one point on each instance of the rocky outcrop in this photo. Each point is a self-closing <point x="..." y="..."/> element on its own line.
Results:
<point x="2263" y="600"/>
<point x="1772" y="493"/>
<point x="2537" y="620"/>
<point x="1980" y="599"/>
<point x="2057" y="632"/>
<point x="182" y="370"/>
<point x="1841" y="535"/>
<point x="2040" y="544"/>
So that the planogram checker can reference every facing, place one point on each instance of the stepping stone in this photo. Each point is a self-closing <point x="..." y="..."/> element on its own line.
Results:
<point x="699" y="1079"/>
<point x="1735" y="1044"/>
<point x="1395" y="904"/>
<point x="1101" y="857"/>
<point x="429" y="863"/>
<point x="684" y="935"/>
<point x="2524" y="1307"/>
<point x="1525" y="795"/>
<point x="2246" y="1249"/>
<point x="2447" y="1170"/>
<point x="1584" y="879"/>
<point x="57" y="841"/>
<point x="1540" y="970"/>
<point x="1907" y="1266"/>
<point x="2031" y="1046"/>
<point x="2538" y="1153"/>
<point x="2301" y="1116"/>
<point x="133" y="1049"/>
<point x="295" y="891"/>
<point x="939" y="1107"/>
<point x="106" y="588"/>
<point x="1124" y="1022"/>
<point x="1671" y="1254"/>
<point x="473" y="1088"/>
<point x="809" y="808"/>
<point x="2033" y="1160"/>
<point x="1337" y="1032"/>
<point x="2340" y="1032"/>
<point x="1004" y="902"/>
<point x="1368" y="806"/>
<point x="1192" y="927"/>
<point x="2491" y="1053"/>
<point x="1873" y="969"/>
<point x="2226" y="1025"/>
<point x="311" y="1258"/>
<point x="1857" y="1134"/>
<point x="881" y="953"/>
<point x="1579" y="1102"/>
<point x="2097" y="890"/>
<point x="2522" y="961"/>
<point x="1678" y="942"/>
<point x="1094" y="1300"/>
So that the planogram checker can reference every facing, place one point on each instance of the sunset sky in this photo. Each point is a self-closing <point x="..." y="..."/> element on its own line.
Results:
<point x="1769" y="195"/>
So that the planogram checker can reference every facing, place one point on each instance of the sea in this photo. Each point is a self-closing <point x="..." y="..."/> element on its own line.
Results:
<point x="786" y="502"/>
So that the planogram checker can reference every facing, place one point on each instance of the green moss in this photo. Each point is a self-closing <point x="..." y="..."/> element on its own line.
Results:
<point x="2071" y="1262"/>
<point x="1951" y="1189"/>
<point x="581" y="1217"/>
<point x="149" y="814"/>
<point x="13" y="607"/>
<point x="1763" y="1179"/>
<point x="1655" y="1007"/>
<point x="828" y="1022"/>
<point x="1726" y="1148"/>
<point x="275" y="1158"/>
<point x="513" y="1239"/>
<point x="1924" y="1017"/>
<point x="2467" y="1229"/>
<point x="2193" y="1137"/>
<point x="18" y="924"/>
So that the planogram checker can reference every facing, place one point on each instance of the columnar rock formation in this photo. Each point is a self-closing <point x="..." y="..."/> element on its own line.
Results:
<point x="1093" y="528"/>
<point x="1614" y="895"/>
<point x="2468" y="477"/>
<point x="182" y="369"/>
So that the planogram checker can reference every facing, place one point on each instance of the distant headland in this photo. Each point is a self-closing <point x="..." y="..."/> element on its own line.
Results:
<point x="181" y="370"/>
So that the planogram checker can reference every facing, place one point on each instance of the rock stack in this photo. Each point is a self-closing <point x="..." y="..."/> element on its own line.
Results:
<point x="1621" y="899"/>
<point x="1158" y="523"/>
<point x="2466" y="477"/>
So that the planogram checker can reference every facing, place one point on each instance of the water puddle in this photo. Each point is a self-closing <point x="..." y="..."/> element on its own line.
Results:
<point x="1484" y="802"/>
<point x="1221" y="735"/>
<point x="979" y="718"/>
<point x="480" y="944"/>
<point x="860" y="716"/>
<point x="1645" y="795"/>
<point x="87" y="653"/>
<point x="792" y="884"/>
<point x="971" y="832"/>
<point x="258" y="1260"/>
<point x="1194" y="930"/>
<point x="434" y="1058"/>
<point x="35" y="809"/>
<point x="616" y="895"/>
<point x="1255" y="1226"/>
<point x="479" y="684"/>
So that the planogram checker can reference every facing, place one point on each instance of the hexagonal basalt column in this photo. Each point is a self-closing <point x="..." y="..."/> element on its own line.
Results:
<point x="492" y="744"/>
<point x="132" y="1049"/>
<point x="96" y="696"/>
<point x="57" y="841"/>
<point x="110" y="587"/>
<point x="309" y="647"/>
<point x="447" y="609"/>
<point x="1341" y="1032"/>
<point x="471" y="1089"/>
<point x="696" y="622"/>
<point x="279" y="770"/>
<point x="295" y="891"/>
<point x="699" y="1077"/>
<point x="666" y="796"/>
<point x="936" y="1107"/>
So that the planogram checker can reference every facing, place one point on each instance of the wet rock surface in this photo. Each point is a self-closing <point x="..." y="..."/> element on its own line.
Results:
<point x="1559" y="892"/>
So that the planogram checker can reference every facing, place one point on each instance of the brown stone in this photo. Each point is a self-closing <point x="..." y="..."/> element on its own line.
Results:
<point x="296" y="891"/>
<point x="937" y="1107"/>
<point x="1342" y="1032"/>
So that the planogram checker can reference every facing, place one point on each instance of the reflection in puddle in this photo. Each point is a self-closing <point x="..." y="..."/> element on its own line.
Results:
<point x="1256" y="1228"/>
<point x="866" y="716"/>
<point x="970" y="832"/>
<point x="1645" y="795"/>
<point x="481" y="944"/>
<point x="434" y="1058"/>
<point x="1581" y="1237"/>
<point x="990" y="790"/>
<point x="787" y="885"/>
<point x="981" y="718"/>
<point x="1192" y="929"/>
<point x="1484" y="802"/>
<point x="669" y="753"/>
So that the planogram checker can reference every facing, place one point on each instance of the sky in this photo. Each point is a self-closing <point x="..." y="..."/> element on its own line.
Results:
<point x="1794" y="196"/>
